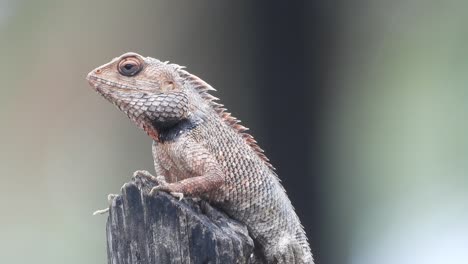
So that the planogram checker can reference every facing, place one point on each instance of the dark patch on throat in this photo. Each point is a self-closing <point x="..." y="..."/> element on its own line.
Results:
<point x="171" y="133"/>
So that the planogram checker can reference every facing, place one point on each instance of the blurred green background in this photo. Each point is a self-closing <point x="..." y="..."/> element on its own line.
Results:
<point x="361" y="106"/>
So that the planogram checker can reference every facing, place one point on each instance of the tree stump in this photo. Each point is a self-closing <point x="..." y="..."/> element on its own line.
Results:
<point x="148" y="229"/>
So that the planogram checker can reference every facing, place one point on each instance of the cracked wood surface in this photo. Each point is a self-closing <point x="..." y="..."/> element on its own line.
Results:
<point x="147" y="229"/>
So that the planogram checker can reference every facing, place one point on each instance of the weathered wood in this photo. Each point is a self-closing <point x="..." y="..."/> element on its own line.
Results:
<point x="147" y="229"/>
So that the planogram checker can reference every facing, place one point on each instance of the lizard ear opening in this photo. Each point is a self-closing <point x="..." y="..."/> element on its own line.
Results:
<point x="129" y="66"/>
<point x="168" y="86"/>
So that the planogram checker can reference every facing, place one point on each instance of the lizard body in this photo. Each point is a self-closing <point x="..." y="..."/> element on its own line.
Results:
<point x="200" y="150"/>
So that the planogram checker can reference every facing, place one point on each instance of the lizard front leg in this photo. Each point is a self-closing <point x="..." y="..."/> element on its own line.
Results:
<point x="200" y="172"/>
<point x="195" y="186"/>
<point x="160" y="180"/>
<point x="143" y="175"/>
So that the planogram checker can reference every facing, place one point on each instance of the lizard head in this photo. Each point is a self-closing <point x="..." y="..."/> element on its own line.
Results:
<point x="159" y="96"/>
<point x="152" y="93"/>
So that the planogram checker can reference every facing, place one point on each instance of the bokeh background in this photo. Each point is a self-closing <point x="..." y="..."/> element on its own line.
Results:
<point x="361" y="105"/>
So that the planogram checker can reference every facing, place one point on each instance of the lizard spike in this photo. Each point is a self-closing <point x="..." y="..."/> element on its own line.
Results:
<point x="177" y="66"/>
<point x="203" y="89"/>
<point x="233" y="122"/>
<point x="200" y="88"/>
<point x="217" y="105"/>
<point x="251" y="140"/>
<point x="247" y="136"/>
<point x="210" y="97"/>
<point x="226" y="116"/>
<point x="240" y="127"/>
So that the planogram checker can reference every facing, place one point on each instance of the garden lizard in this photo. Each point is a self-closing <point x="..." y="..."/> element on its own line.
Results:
<point x="201" y="150"/>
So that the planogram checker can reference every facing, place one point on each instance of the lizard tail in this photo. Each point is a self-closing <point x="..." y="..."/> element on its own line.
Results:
<point x="290" y="251"/>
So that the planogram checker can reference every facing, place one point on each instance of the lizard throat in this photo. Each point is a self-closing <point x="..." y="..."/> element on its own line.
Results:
<point x="171" y="132"/>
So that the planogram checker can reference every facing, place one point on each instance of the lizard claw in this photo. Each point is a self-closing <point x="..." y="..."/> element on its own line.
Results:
<point x="110" y="199"/>
<point x="102" y="211"/>
<point x="154" y="190"/>
<point x="161" y="187"/>
<point x="164" y="188"/>
<point x="139" y="174"/>
<point x="145" y="175"/>
<point x="178" y="195"/>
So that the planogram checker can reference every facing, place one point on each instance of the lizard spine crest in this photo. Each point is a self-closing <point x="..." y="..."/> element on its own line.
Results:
<point x="203" y="89"/>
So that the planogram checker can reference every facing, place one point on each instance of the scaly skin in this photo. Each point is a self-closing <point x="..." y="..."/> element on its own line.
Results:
<point x="199" y="150"/>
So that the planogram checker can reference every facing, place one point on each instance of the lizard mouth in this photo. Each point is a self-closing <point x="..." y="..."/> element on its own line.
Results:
<point x="97" y="83"/>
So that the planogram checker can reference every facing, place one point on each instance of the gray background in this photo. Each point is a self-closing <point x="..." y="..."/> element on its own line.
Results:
<point x="361" y="107"/>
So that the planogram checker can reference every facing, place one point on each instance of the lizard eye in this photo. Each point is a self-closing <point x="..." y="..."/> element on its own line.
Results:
<point x="129" y="66"/>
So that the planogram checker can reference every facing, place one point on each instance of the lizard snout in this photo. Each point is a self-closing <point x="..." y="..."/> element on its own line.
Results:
<point x="92" y="79"/>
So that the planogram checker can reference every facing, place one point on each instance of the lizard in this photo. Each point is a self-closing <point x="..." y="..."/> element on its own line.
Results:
<point x="200" y="150"/>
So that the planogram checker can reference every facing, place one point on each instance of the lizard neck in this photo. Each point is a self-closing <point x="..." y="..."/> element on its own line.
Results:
<point x="170" y="132"/>
<point x="151" y="131"/>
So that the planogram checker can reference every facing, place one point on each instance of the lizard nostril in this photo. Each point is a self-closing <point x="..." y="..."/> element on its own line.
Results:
<point x="98" y="71"/>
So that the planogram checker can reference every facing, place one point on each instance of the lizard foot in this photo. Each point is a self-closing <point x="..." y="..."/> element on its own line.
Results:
<point x="110" y="198"/>
<point x="166" y="188"/>
<point x="145" y="175"/>
<point x="142" y="174"/>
